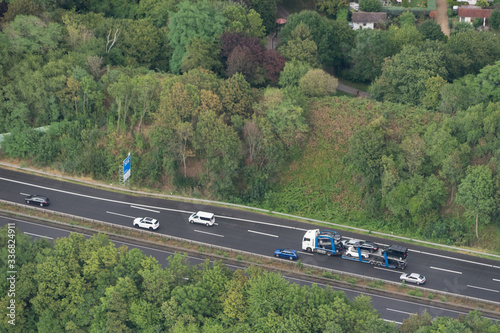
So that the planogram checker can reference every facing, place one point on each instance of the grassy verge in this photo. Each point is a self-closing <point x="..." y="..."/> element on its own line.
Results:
<point x="325" y="276"/>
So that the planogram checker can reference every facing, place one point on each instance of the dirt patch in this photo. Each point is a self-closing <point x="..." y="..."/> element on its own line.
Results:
<point x="442" y="16"/>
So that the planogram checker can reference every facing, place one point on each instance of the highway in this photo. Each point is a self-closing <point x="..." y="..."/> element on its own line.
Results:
<point x="390" y="309"/>
<point x="445" y="271"/>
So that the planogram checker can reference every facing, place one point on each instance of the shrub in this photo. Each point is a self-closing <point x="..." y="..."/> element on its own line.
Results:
<point x="370" y="5"/>
<point x="318" y="83"/>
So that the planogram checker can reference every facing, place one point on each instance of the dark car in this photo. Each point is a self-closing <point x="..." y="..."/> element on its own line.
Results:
<point x="397" y="251"/>
<point x="335" y="235"/>
<point x="364" y="245"/>
<point x="286" y="253"/>
<point x="37" y="200"/>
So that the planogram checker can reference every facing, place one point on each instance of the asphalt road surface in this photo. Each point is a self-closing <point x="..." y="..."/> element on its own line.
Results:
<point x="445" y="271"/>
<point x="390" y="309"/>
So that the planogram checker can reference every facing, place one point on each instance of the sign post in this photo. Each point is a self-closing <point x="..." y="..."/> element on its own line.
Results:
<point x="125" y="172"/>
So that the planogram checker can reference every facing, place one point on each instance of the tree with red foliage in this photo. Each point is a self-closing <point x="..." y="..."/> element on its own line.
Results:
<point x="231" y="40"/>
<point x="241" y="60"/>
<point x="273" y="65"/>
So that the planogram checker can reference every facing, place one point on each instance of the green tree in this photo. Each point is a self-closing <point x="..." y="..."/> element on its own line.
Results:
<point x="430" y="29"/>
<point x="318" y="83"/>
<point x="406" y="35"/>
<point x="476" y="49"/>
<point x="201" y="53"/>
<point x="334" y="39"/>
<point x="268" y="12"/>
<point x="414" y="151"/>
<point x="406" y="19"/>
<point x="301" y="47"/>
<point x="331" y="7"/>
<point x="29" y="34"/>
<point x="141" y="42"/>
<point x="367" y="57"/>
<point x="236" y="96"/>
<point x="488" y="78"/>
<point x="494" y="19"/>
<point x="405" y="74"/>
<point x="221" y="147"/>
<point x="366" y="148"/>
<point x="432" y="97"/>
<point x="475" y="193"/>
<point x="243" y="21"/>
<point x="370" y="5"/>
<point x="292" y="73"/>
<point x="199" y="19"/>
<point x="156" y="11"/>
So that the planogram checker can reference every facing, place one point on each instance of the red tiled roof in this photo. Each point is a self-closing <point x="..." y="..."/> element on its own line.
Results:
<point x="474" y="12"/>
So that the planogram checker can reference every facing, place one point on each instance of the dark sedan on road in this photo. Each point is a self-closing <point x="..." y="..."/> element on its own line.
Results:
<point x="37" y="200"/>
<point x="286" y="254"/>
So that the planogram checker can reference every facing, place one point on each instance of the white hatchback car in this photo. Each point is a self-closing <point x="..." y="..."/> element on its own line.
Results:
<point x="205" y="218"/>
<point x="147" y="223"/>
<point x="413" y="278"/>
<point x="352" y="252"/>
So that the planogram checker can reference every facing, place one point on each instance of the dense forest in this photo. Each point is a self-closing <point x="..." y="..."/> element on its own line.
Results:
<point x="89" y="285"/>
<point x="207" y="110"/>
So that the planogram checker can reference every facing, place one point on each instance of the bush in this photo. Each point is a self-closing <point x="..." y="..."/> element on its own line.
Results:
<point x="370" y="5"/>
<point x="318" y="83"/>
<point x="415" y="292"/>
<point x="494" y="19"/>
<point x="327" y="275"/>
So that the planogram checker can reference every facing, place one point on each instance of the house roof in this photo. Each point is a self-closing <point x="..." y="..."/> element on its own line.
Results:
<point x="476" y="12"/>
<point x="369" y="17"/>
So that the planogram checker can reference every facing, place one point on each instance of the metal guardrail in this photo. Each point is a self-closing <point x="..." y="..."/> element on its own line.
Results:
<point x="177" y="197"/>
<point x="223" y="248"/>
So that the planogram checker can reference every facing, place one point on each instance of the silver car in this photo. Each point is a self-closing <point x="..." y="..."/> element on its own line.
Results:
<point x="413" y="278"/>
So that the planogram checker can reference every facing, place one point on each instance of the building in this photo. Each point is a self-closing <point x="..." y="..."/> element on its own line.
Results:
<point x="368" y="20"/>
<point x="470" y="13"/>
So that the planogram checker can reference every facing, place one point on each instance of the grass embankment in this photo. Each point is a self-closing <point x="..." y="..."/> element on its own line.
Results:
<point x="320" y="182"/>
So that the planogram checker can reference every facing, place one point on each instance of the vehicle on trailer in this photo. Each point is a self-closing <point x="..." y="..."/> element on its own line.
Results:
<point x="325" y="242"/>
<point x="364" y="245"/>
<point x="352" y="252"/>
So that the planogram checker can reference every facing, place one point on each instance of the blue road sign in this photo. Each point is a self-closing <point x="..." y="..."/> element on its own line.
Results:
<point x="126" y="168"/>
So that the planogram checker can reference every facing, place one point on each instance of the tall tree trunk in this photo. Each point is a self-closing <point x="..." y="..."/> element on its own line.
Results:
<point x="477" y="219"/>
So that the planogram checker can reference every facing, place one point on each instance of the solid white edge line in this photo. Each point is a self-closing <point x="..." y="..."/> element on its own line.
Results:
<point x="451" y="258"/>
<point x="113" y="213"/>
<point x="408" y="313"/>
<point x="445" y="270"/>
<point x="393" y="321"/>
<point x="309" y="254"/>
<point x="497" y="280"/>
<point x="492" y="290"/>
<point x="209" y="233"/>
<point x="292" y="278"/>
<point x="149" y="210"/>
<point x="28" y="233"/>
<point x="25" y="194"/>
<point x="183" y="211"/>
<point x="262" y="233"/>
<point x="389" y="270"/>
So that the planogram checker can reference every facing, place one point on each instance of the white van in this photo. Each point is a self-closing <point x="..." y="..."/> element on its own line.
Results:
<point x="205" y="218"/>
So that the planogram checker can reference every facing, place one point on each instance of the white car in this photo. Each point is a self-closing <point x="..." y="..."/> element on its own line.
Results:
<point x="413" y="278"/>
<point x="352" y="252"/>
<point x="146" y="223"/>
<point x="205" y="218"/>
